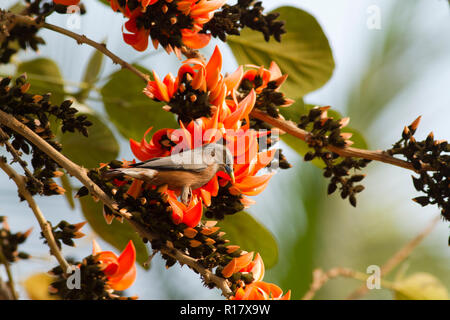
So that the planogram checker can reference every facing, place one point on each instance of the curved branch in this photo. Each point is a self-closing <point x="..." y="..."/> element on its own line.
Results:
<point x="43" y="223"/>
<point x="100" y="47"/>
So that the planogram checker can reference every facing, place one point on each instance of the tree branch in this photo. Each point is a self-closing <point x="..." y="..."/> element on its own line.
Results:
<point x="100" y="47"/>
<point x="292" y="129"/>
<point x="320" y="278"/>
<point x="43" y="223"/>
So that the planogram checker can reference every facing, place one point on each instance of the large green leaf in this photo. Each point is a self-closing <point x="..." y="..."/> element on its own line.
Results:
<point x="304" y="52"/>
<point x="91" y="74"/>
<point x="243" y="230"/>
<point x="117" y="234"/>
<point x="100" y="146"/>
<point x="129" y="109"/>
<point x="44" y="76"/>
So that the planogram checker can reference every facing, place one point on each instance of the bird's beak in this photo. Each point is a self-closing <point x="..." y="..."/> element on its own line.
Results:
<point x="230" y="172"/>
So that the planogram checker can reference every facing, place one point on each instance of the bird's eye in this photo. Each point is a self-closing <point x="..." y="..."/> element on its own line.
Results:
<point x="213" y="153"/>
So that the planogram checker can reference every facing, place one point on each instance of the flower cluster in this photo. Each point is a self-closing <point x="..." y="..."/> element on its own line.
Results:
<point x="119" y="270"/>
<point x="249" y="272"/>
<point x="431" y="159"/>
<point x="65" y="232"/>
<point x="212" y="108"/>
<point x="172" y="24"/>
<point x="25" y="36"/>
<point x="101" y="274"/>
<point x="9" y="242"/>
<point x="326" y="131"/>
<point x="245" y="13"/>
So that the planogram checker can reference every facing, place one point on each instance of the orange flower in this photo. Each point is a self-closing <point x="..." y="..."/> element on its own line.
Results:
<point x="245" y="264"/>
<point x="120" y="271"/>
<point x="257" y="290"/>
<point x="66" y="2"/>
<point x="169" y="23"/>
<point x="260" y="290"/>
<point x="190" y="215"/>
<point x="201" y="76"/>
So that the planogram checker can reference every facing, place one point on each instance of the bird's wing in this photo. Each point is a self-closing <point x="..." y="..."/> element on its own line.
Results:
<point x="174" y="162"/>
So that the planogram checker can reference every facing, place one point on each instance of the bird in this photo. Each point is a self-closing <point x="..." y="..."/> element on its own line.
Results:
<point x="185" y="171"/>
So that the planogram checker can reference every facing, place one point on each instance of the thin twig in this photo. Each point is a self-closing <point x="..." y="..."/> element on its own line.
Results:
<point x="17" y="157"/>
<point x="5" y="262"/>
<point x="320" y="278"/>
<point x="100" y="47"/>
<point x="43" y="223"/>
<point x="398" y="257"/>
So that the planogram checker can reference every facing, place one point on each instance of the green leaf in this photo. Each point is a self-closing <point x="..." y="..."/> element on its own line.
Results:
<point x="105" y="2"/>
<point x="91" y="74"/>
<point x="129" y="109"/>
<point x="420" y="286"/>
<point x="17" y="7"/>
<point x="101" y="146"/>
<point x="117" y="234"/>
<point x="44" y="76"/>
<point x="304" y="52"/>
<point x="243" y="230"/>
<point x="65" y="181"/>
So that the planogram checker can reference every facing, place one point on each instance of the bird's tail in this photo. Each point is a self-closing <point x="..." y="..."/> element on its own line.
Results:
<point x="114" y="173"/>
<point x="136" y="173"/>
